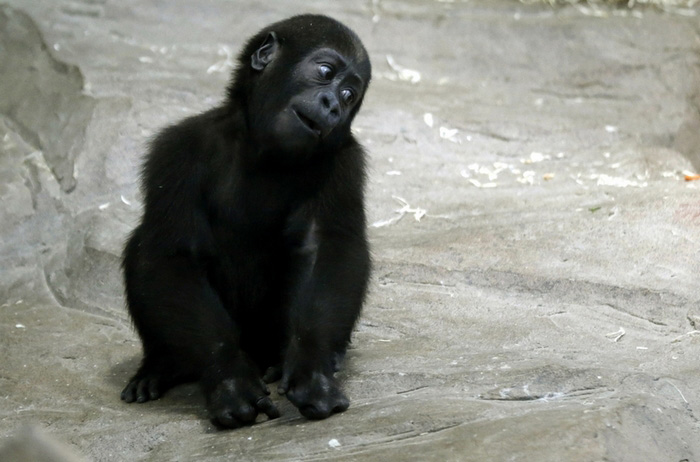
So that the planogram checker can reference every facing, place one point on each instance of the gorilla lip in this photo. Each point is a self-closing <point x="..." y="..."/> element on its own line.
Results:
<point x="308" y="123"/>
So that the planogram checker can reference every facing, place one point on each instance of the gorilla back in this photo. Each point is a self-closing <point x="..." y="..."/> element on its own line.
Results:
<point x="252" y="254"/>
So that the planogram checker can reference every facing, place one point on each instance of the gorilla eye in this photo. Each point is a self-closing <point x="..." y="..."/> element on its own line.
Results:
<point x="325" y="71"/>
<point x="348" y="95"/>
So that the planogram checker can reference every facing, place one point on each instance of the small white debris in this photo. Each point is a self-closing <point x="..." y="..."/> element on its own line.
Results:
<point x="615" y="336"/>
<point x="535" y="157"/>
<point x="611" y="128"/>
<point x="20" y="326"/>
<point x="552" y="395"/>
<point x="334" y="443"/>
<point x="548" y="176"/>
<point x="417" y="212"/>
<point x="679" y="391"/>
<point x="642" y="348"/>
<point x="393" y="172"/>
<point x="145" y="59"/>
<point x="528" y="177"/>
<point x="103" y="206"/>
<point x="56" y="46"/>
<point x="124" y="200"/>
<point x="479" y="184"/>
<point x="607" y="180"/>
<point x="687" y="334"/>
<point x="449" y="134"/>
<point x="428" y="119"/>
<point x="403" y="73"/>
<point x="578" y="181"/>
<point x="387" y="222"/>
<point x="594" y="11"/>
<point x="504" y="393"/>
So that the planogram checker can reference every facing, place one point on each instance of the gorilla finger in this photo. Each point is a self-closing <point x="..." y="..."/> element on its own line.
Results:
<point x="142" y="391"/>
<point x="153" y="389"/>
<point x="128" y="393"/>
<point x="246" y="413"/>
<point x="266" y="405"/>
<point x="264" y="387"/>
<point x="225" y="419"/>
<point x="272" y="374"/>
<point x="283" y="387"/>
<point x="341" y="405"/>
<point x="315" y="411"/>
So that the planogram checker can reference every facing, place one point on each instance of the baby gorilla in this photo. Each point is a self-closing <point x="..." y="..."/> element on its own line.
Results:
<point x="252" y="254"/>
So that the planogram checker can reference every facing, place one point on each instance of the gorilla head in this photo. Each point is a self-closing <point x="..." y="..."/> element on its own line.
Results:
<point x="302" y="81"/>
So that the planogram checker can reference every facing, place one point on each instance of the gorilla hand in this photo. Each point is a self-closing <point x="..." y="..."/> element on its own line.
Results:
<point x="313" y="390"/>
<point x="237" y="400"/>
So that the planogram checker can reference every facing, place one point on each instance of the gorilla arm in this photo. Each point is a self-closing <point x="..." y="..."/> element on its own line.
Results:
<point x="330" y="296"/>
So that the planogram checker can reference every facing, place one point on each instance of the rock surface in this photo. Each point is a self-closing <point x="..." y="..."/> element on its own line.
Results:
<point x="537" y="248"/>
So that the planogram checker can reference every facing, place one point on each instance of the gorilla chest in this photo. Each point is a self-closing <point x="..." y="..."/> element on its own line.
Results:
<point x="258" y="211"/>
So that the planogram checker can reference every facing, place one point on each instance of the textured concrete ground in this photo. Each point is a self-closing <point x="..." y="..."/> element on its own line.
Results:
<point x="535" y="297"/>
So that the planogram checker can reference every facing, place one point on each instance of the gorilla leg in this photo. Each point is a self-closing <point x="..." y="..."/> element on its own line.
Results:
<point x="187" y="335"/>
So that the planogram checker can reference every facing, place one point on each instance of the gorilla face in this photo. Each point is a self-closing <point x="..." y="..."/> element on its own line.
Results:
<point x="300" y="107"/>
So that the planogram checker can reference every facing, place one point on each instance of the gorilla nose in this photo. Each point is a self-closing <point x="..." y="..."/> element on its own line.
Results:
<point x="330" y="105"/>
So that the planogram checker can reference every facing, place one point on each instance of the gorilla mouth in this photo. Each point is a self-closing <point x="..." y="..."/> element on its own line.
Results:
<point x="309" y="123"/>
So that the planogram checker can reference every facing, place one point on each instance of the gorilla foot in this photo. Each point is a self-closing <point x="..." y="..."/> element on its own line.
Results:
<point x="316" y="397"/>
<point x="231" y="406"/>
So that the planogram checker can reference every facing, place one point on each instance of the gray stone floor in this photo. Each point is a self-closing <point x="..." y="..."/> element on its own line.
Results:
<point x="535" y="294"/>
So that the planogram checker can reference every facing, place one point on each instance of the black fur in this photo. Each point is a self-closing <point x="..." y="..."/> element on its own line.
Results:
<point x="252" y="254"/>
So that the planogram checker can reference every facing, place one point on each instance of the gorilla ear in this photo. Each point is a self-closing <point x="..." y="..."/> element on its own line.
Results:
<point x="266" y="53"/>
